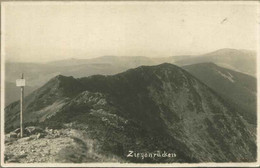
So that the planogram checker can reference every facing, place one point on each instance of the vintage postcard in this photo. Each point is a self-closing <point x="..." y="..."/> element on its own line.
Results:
<point x="129" y="83"/>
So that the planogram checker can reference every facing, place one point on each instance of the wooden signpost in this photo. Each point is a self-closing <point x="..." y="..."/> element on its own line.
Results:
<point x="21" y="83"/>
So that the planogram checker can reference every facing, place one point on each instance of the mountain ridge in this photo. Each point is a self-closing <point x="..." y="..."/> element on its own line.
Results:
<point x="37" y="74"/>
<point x="127" y="110"/>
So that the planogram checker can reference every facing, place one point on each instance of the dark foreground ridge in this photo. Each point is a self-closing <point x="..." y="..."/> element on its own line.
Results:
<point x="146" y="109"/>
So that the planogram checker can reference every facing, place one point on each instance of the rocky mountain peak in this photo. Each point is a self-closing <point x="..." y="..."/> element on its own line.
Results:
<point x="138" y="107"/>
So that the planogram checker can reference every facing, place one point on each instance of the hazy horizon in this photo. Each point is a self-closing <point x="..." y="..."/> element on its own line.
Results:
<point x="69" y="58"/>
<point x="51" y="31"/>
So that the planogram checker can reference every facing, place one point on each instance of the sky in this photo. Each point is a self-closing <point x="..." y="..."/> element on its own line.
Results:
<point x="48" y="31"/>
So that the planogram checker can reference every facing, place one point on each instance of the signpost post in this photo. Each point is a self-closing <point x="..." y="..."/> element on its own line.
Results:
<point x="21" y="83"/>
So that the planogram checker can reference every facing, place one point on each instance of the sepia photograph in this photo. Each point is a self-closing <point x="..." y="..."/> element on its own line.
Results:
<point x="129" y="83"/>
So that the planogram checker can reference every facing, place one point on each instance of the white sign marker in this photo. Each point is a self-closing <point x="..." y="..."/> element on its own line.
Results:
<point x="20" y="82"/>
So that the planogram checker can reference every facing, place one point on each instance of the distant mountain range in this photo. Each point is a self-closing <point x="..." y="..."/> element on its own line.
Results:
<point x="37" y="74"/>
<point x="243" y="61"/>
<point x="150" y="108"/>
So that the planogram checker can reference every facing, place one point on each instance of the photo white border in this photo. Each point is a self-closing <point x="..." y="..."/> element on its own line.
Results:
<point x="211" y="164"/>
